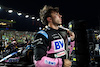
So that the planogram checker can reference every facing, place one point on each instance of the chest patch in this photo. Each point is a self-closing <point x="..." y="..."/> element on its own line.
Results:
<point x="58" y="45"/>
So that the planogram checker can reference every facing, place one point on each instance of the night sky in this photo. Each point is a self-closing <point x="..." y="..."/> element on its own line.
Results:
<point x="70" y="10"/>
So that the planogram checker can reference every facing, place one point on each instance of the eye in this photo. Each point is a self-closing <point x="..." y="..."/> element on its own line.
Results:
<point x="56" y="13"/>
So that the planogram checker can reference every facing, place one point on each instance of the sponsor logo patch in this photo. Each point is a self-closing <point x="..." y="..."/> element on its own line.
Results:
<point x="58" y="44"/>
<point x="60" y="54"/>
<point x="50" y="62"/>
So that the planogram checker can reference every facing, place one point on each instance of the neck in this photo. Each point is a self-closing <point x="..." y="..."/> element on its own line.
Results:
<point x="54" y="26"/>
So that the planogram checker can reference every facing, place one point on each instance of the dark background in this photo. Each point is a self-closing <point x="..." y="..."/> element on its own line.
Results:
<point x="70" y="10"/>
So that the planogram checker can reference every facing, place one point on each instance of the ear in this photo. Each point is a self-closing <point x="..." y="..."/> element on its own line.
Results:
<point x="49" y="19"/>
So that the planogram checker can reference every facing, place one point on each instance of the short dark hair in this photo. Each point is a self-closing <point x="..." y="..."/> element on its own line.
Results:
<point x="46" y="12"/>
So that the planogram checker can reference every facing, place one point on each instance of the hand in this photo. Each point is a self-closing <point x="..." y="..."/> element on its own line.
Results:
<point x="67" y="63"/>
<point x="72" y="36"/>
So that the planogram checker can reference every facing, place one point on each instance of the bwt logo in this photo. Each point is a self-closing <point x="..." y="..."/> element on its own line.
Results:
<point x="59" y="44"/>
<point x="50" y="62"/>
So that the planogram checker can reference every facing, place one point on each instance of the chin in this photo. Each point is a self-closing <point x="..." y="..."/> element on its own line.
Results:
<point x="60" y="23"/>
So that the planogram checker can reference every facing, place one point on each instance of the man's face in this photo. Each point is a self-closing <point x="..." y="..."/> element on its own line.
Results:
<point x="56" y="18"/>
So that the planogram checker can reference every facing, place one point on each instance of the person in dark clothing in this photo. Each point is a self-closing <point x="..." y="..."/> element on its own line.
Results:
<point x="49" y="48"/>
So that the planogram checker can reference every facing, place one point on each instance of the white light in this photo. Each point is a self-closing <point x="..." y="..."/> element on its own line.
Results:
<point x="38" y="19"/>
<point x="0" y="7"/>
<point x="33" y="17"/>
<point x="46" y="26"/>
<point x="95" y="31"/>
<point x="10" y="11"/>
<point x="27" y="16"/>
<point x="12" y="20"/>
<point x="19" y="14"/>
<point x="40" y="28"/>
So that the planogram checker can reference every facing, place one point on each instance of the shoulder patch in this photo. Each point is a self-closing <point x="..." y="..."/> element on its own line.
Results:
<point x="43" y="33"/>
